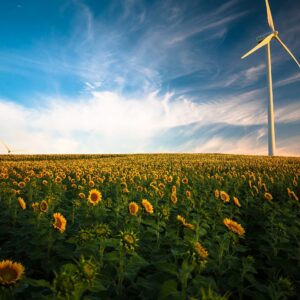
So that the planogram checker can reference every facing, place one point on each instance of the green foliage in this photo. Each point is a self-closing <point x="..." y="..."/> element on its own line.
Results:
<point x="105" y="252"/>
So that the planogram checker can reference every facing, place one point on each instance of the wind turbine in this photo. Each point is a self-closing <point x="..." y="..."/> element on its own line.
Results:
<point x="265" y="41"/>
<point x="9" y="151"/>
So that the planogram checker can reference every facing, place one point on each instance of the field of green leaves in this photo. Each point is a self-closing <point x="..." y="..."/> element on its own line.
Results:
<point x="164" y="226"/>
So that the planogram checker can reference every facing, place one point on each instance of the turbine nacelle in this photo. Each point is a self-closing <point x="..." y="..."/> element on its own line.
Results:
<point x="266" y="40"/>
<point x="260" y="38"/>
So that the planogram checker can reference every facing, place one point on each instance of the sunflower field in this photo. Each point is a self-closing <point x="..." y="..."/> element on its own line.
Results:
<point x="149" y="226"/>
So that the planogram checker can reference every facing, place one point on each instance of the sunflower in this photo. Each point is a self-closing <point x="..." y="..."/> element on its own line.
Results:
<point x="88" y="269"/>
<point x="21" y="184"/>
<point x="153" y="185"/>
<point x="60" y="222"/>
<point x="81" y="195"/>
<point x="10" y="272"/>
<point x="184" y="223"/>
<point x="174" y="198"/>
<point x="236" y="201"/>
<point x="224" y="196"/>
<point x="84" y="236"/>
<point x="200" y="250"/>
<point x="250" y="184"/>
<point x="255" y="188"/>
<point x="147" y="206"/>
<point x="95" y="196"/>
<point x="64" y="283"/>
<point x="292" y="194"/>
<point x="169" y="179"/>
<point x="125" y="190"/>
<point x="22" y="203"/>
<point x="161" y="185"/>
<point x="264" y="187"/>
<point x="189" y="226"/>
<point x="164" y="212"/>
<point x="91" y="183"/>
<point x="217" y="194"/>
<point x="44" y="206"/>
<point x="129" y="240"/>
<point x="133" y="208"/>
<point x="35" y="206"/>
<point x="185" y="181"/>
<point x="268" y="196"/>
<point x="259" y="183"/>
<point x="234" y="226"/>
<point x="188" y="194"/>
<point x="101" y="231"/>
<point x="181" y="219"/>
<point x="58" y="180"/>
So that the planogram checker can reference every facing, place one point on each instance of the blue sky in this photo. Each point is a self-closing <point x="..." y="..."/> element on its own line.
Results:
<point x="93" y="76"/>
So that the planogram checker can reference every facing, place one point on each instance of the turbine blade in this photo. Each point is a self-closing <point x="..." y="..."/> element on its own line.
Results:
<point x="261" y="44"/>
<point x="287" y="50"/>
<point x="269" y="15"/>
<point x="5" y="146"/>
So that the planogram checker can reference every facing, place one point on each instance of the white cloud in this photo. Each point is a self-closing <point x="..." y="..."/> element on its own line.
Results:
<point x="108" y="123"/>
<point x="92" y="85"/>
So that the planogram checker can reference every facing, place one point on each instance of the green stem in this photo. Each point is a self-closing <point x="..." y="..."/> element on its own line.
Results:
<point x="73" y="214"/>
<point x="121" y="271"/>
<point x="158" y="233"/>
<point x="50" y="242"/>
<point x="101" y="252"/>
<point x="6" y="293"/>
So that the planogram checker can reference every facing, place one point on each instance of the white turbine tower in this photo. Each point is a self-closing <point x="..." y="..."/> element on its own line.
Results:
<point x="265" y="41"/>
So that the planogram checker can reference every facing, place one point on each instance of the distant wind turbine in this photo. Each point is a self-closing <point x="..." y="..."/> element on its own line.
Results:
<point x="9" y="150"/>
<point x="265" y="41"/>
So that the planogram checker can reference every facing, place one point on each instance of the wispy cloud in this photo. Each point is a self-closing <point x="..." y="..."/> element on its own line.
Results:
<point x="288" y="113"/>
<point x="254" y="72"/>
<point x="204" y="26"/>
<point x="291" y="79"/>
<point x="241" y="79"/>
<point x="251" y="144"/>
<point x="136" y="50"/>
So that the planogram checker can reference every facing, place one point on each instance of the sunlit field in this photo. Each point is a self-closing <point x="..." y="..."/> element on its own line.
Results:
<point x="165" y="226"/>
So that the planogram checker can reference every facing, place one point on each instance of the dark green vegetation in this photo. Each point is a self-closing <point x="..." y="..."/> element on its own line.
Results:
<point x="107" y="251"/>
